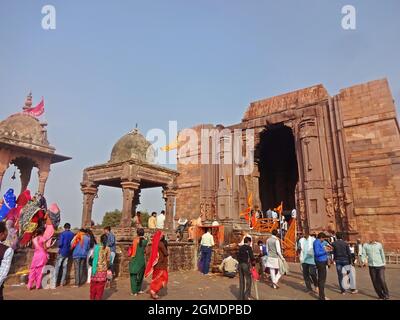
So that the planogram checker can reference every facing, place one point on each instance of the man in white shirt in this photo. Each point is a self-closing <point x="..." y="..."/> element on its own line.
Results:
<point x="274" y="214"/>
<point x="307" y="261"/>
<point x="6" y="255"/>
<point x="161" y="220"/>
<point x="207" y="242"/>
<point x="274" y="255"/>
<point x="229" y="267"/>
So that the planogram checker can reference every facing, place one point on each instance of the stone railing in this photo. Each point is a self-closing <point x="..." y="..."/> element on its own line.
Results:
<point x="392" y="258"/>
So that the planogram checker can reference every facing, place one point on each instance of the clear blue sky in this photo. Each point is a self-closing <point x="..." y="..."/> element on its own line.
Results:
<point x="111" y="64"/>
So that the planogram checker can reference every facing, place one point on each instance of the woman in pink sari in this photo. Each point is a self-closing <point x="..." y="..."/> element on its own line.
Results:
<point x="40" y="256"/>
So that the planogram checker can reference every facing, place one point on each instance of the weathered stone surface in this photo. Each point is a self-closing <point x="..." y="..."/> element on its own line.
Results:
<point x="348" y="162"/>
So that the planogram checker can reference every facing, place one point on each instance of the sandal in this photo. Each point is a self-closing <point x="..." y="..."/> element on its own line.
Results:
<point x="154" y="296"/>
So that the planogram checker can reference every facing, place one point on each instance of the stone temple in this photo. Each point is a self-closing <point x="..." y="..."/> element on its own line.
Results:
<point x="336" y="159"/>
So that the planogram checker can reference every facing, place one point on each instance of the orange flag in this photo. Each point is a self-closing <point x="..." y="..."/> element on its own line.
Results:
<point x="246" y="212"/>
<point x="250" y="200"/>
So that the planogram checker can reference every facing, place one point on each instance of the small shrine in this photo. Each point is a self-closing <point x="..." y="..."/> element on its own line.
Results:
<point x="131" y="168"/>
<point x="23" y="143"/>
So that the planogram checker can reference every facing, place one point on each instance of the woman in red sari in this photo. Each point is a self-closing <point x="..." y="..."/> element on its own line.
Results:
<point x="157" y="265"/>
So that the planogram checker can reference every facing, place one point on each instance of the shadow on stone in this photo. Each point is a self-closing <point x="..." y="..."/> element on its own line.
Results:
<point x="163" y="292"/>
<point x="108" y="292"/>
<point x="234" y="290"/>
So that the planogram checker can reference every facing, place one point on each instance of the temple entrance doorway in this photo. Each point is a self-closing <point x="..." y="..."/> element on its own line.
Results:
<point x="278" y="167"/>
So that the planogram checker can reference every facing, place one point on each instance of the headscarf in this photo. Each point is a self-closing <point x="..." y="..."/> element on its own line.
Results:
<point x="135" y="244"/>
<point x="95" y="258"/>
<point x="22" y="200"/>
<point x="28" y="213"/>
<point x="154" y="254"/>
<point x="78" y="239"/>
<point x="9" y="202"/>
<point x="42" y="200"/>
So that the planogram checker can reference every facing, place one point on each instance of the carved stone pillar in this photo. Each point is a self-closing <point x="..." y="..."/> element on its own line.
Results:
<point x="128" y="192"/>
<point x="135" y="202"/>
<point x="2" y="172"/>
<point x="89" y="193"/>
<point x="313" y="178"/>
<point x="25" y="170"/>
<point x="169" y="195"/>
<point x="4" y="163"/>
<point x="44" y="170"/>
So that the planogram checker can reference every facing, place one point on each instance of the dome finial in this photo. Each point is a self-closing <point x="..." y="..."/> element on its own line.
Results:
<point x="135" y="130"/>
<point x="28" y="101"/>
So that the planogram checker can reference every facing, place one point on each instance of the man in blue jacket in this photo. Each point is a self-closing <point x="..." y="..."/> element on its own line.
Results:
<point x="64" y="252"/>
<point x="81" y="250"/>
<point x="321" y="261"/>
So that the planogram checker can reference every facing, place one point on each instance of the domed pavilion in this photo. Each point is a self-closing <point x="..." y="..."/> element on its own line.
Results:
<point x="23" y="143"/>
<point x="131" y="167"/>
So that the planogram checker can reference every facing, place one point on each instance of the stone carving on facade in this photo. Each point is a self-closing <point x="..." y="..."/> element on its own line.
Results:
<point x="203" y="211"/>
<point x="335" y="204"/>
<point x="342" y="207"/>
<point x="302" y="210"/>
<point x="352" y="225"/>
<point x="213" y="211"/>
<point x="347" y="198"/>
<point x="329" y="207"/>
<point x="208" y="211"/>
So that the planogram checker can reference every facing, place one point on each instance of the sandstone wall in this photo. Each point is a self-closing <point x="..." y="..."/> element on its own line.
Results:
<point x="372" y="138"/>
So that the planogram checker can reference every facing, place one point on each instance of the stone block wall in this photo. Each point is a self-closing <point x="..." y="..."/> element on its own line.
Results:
<point x="188" y="181"/>
<point x="372" y="137"/>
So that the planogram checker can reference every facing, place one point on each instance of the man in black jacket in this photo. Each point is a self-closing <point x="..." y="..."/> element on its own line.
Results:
<point x="246" y="260"/>
<point x="342" y="256"/>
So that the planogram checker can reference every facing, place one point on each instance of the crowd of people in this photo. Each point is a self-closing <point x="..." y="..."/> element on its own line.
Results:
<point x="94" y="262"/>
<point x="28" y="221"/>
<point x="256" y="262"/>
<point x="317" y="253"/>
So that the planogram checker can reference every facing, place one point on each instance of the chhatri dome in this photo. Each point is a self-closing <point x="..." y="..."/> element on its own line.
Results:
<point x="132" y="146"/>
<point x="24" y="127"/>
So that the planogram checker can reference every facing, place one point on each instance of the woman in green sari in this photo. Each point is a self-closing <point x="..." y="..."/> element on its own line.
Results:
<point x="137" y="263"/>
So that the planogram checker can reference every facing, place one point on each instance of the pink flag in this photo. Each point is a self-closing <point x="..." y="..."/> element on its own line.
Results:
<point x="36" y="111"/>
